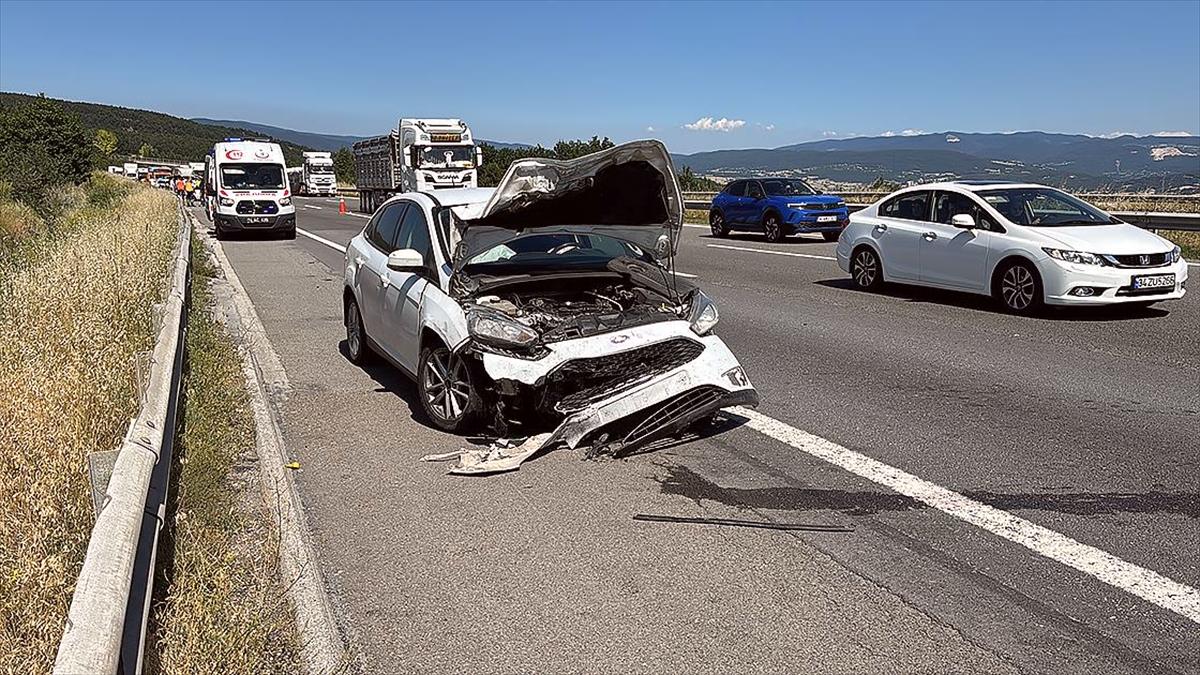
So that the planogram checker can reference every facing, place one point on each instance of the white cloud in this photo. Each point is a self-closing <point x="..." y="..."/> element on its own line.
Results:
<point x="767" y="127"/>
<point x="829" y="134"/>
<point x="650" y="128"/>
<point x="710" y="124"/>
<point x="906" y="132"/>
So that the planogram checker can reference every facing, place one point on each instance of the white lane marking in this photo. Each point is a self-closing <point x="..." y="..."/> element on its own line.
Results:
<point x="1193" y="264"/>
<point x="310" y="206"/>
<point x="1146" y="584"/>
<point x="321" y="240"/>
<point x="763" y="250"/>
<point x="698" y="227"/>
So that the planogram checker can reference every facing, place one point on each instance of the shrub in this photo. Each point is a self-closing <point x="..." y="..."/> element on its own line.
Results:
<point x="42" y="146"/>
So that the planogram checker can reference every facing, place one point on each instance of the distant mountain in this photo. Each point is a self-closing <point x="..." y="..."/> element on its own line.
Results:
<point x="330" y="142"/>
<point x="1082" y="162"/>
<point x="172" y="137"/>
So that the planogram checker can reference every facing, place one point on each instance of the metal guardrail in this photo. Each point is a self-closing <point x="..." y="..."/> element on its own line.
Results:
<point x="106" y="624"/>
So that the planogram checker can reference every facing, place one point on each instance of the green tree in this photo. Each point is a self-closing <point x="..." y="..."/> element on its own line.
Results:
<point x="105" y="142"/>
<point x="343" y="166"/>
<point x="42" y="146"/>
<point x="146" y="150"/>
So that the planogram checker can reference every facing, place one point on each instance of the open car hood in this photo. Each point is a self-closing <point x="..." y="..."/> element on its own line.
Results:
<point x="628" y="192"/>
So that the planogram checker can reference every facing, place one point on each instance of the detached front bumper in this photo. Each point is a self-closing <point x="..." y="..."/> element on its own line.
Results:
<point x="279" y="222"/>
<point x="1062" y="282"/>
<point x="630" y="415"/>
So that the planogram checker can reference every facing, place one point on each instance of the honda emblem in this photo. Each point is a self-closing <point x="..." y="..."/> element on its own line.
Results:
<point x="1143" y="260"/>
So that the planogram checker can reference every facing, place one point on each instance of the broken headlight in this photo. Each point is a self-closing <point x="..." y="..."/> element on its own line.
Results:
<point x="497" y="328"/>
<point x="703" y="315"/>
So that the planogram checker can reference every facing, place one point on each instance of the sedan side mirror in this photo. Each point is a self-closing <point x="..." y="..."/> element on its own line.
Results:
<point x="964" y="220"/>
<point x="405" y="260"/>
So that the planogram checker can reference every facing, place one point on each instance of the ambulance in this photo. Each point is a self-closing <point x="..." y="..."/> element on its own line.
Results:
<point x="247" y="190"/>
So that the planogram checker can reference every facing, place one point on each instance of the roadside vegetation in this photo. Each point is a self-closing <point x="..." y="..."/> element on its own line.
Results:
<point x="221" y="607"/>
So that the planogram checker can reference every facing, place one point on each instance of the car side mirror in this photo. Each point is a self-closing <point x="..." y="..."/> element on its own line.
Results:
<point x="964" y="220"/>
<point x="405" y="260"/>
<point x="478" y="156"/>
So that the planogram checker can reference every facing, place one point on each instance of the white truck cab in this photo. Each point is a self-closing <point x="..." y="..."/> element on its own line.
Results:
<point x="247" y="188"/>
<point x="419" y="155"/>
<point x="317" y="177"/>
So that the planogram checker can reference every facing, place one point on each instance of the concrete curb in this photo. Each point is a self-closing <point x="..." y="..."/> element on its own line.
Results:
<point x="323" y="647"/>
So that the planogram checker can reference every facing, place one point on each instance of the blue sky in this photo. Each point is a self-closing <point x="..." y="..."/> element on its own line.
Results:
<point x="775" y="73"/>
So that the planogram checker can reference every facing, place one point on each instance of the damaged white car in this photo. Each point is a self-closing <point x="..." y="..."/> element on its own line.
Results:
<point x="545" y="310"/>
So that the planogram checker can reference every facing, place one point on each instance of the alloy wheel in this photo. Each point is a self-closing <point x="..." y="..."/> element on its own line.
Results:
<point x="1017" y="288"/>
<point x="447" y="390"/>
<point x="354" y="331"/>
<point x="771" y="228"/>
<point x="717" y="224"/>
<point x="865" y="269"/>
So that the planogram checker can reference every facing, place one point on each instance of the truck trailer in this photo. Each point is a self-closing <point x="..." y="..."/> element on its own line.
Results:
<point x="418" y="155"/>
<point x="246" y="188"/>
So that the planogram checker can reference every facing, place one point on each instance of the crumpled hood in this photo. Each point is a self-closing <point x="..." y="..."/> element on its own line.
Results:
<point x="1115" y="239"/>
<point x="628" y="192"/>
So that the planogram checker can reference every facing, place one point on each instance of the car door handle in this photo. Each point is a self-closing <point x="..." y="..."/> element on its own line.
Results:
<point x="384" y="281"/>
<point x="881" y="227"/>
<point x="930" y="236"/>
<point x="360" y="261"/>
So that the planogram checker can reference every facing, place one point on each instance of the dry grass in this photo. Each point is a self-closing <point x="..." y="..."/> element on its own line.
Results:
<point x="224" y="610"/>
<point x="76" y="294"/>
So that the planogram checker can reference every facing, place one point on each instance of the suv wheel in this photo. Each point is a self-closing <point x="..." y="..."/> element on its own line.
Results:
<point x="772" y="228"/>
<point x="716" y="222"/>
<point x="447" y="391"/>
<point x="1019" y="289"/>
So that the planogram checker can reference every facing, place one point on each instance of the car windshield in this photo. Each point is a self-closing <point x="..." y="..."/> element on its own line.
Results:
<point x="785" y="187"/>
<point x="555" y="251"/>
<point x="445" y="155"/>
<point x="320" y="169"/>
<point x="252" y="176"/>
<point x="1044" y="207"/>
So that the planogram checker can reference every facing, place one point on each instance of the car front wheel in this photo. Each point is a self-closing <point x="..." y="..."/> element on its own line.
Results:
<point x="1019" y="289"/>
<point x="716" y="223"/>
<point x="447" y="390"/>
<point x="772" y="228"/>
<point x="356" y="335"/>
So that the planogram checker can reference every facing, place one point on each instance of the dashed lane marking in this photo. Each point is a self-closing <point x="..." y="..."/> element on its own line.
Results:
<point x="763" y="250"/>
<point x="1099" y="564"/>
<point x="310" y="206"/>
<point x="322" y="240"/>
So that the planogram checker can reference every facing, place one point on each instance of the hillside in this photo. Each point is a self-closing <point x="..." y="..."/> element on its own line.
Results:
<point x="1085" y="162"/>
<point x="172" y="137"/>
<point x="318" y="141"/>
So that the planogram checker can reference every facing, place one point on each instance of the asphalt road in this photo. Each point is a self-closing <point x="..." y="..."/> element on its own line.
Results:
<point x="1085" y="423"/>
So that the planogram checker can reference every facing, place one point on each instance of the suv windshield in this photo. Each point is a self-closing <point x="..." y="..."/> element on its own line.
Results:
<point x="1044" y="207"/>
<point x="557" y="251"/>
<point x="445" y="155"/>
<point x="786" y="186"/>
<point x="252" y="176"/>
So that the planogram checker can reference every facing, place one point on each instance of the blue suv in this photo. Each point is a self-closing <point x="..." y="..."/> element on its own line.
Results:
<point x="776" y="207"/>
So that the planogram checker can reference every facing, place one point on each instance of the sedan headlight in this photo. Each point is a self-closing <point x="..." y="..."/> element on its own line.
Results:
<point x="285" y="201"/>
<point x="703" y="315"/>
<point x="226" y="201"/>
<point x="497" y="328"/>
<point x="1175" y="254"/>
<point x="1078" y="257"/>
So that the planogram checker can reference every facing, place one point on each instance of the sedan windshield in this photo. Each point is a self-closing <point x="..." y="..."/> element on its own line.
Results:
<point x="252" y="176"/>
<point x="1044" y="207"/>
<point x="445" y="155"/>
<point x="550" y="252"/>
<point x="784" y="187"/>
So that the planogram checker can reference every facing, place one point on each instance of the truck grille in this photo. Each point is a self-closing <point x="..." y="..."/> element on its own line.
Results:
<point x="248" y="207"/>
<point x="1147" y="260"/>
<point x="578" y="382"/>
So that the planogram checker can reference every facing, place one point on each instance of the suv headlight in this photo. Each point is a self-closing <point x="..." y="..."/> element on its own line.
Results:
<point x="1079" y="257"/>
<point x="1175" y="254"/>
<point x="285" y="201"/>
<point x="798" y="206"/>
<point x="497" y="328"/>
<point x="703" y="315"/>
<point x="226" y="201"/>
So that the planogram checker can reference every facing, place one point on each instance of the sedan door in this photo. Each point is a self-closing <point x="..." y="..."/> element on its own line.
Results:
<point x="955" y="257"/>
<point x="404" y="290"/>
<point x="901" y="223"/>
<point x="372" y="271"/>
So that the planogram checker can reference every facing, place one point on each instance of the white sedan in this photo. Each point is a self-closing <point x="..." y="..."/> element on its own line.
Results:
<point x="546" y="310"/>
<point x="1026" y="245"/>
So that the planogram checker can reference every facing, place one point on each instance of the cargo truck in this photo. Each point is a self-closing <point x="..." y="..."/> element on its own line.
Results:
<point x="418" y="155"/>
<point x="131" y="170"/>
<point x="246" y="188"/>
<point x="317" y="175"/>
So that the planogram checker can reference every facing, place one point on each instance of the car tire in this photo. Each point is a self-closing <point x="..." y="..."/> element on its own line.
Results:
<point x="1018" y="288"/>
<point x="866" y="270"/>
<point x="716" y="223"/>
<point x="221" y="233"/>
<point x="772" y="228"/>
<point x="357" y="343"/>
<point x="290" y="233"/>
<point x="446" y="386"/>
<point x="830" y="236"/>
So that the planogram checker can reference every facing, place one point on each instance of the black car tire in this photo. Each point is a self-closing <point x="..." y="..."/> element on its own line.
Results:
<point x="866" y="270"/>
<point x="716" y="223"/>
<point x="830" y="236"/>
<point x="446" y="386"/>
<point x="1018" y="288"/>
<point x="357" y="343"/>
<point x="772" y="227"/>
<point x="289" y="233"/>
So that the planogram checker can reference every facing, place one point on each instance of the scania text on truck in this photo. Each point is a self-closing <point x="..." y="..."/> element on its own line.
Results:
<point x="247" y="188"/>
<point x="317" y="175"/>
<point x="420" y="155"/>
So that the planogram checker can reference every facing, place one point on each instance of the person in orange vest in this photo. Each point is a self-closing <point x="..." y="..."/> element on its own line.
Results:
<point x="179" y="185"/>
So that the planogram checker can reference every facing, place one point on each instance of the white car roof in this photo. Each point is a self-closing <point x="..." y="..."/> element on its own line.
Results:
<point x="972" y="185"/>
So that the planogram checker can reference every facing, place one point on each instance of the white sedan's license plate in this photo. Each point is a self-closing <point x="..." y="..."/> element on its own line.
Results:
<point x="1154" y="281"/>
<point x="826" y="219"/>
